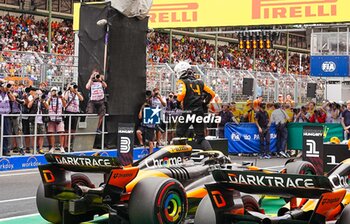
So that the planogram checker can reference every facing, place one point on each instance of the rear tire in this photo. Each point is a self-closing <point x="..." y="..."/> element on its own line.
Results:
<point x="158" y="200"/>
<point x="344" y="216"/>
<point x="300" y="167"/>
<point x="250" y="203"/>
<point x="205" y="213"/>
<point x="51" y="209"/>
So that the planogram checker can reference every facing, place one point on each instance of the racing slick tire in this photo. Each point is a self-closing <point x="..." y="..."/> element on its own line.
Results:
<point x="300" y="167"/>
<point x="82" y="180"/>
<point x="250" y="203"/>
<point x="158" y="200"/>
<point x="205" y="213"/>
<point x="51" y="209"/>
<point x="344" y="216"/>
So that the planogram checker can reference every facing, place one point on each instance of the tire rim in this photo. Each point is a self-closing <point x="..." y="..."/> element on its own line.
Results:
<point x="172" y="207"/>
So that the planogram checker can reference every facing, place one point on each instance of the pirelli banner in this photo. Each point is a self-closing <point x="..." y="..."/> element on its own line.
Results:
<point x="204" y="13"/>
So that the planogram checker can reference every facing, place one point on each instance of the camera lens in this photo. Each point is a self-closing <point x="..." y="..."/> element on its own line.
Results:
<point x="75" y="86"/>
<point x="8" y="85"/>
<point x="60" y="93"/>
<point x="97" y="76"/>
<point x="43" y="97"/>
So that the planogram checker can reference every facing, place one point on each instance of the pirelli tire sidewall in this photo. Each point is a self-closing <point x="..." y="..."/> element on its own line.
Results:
<point x="158" y="200"/>
<point x="300" y="167"/>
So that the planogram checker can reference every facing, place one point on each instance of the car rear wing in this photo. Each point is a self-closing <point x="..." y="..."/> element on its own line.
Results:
<point x="275" y="184"/>
<point x="97" y="164"/>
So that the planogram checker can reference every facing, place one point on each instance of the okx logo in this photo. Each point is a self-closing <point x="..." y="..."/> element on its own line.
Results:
<point x="151" y="115"/>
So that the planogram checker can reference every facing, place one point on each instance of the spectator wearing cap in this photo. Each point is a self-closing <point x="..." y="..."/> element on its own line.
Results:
<point x="56" y="104"/>
<point x="226" y="116"/>
<point x="73" y="98"/>
<point x="345" y="120"/>
<point x="5" y="108"/>
<point x="236" y="112"/>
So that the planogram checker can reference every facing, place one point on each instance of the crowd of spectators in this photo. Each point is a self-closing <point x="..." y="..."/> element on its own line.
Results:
<point x="41" y="110"/>
<point x="26" y="33"/>
<point x="199" y="51"/>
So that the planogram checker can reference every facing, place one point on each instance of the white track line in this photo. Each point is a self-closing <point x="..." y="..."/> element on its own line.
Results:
<point x="17" y="174"/>
<point x="18" y="217"/>
<point x="17" y="199"/>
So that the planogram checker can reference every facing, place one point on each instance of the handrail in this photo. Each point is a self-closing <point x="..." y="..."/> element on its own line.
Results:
<point x="35" y="135"/>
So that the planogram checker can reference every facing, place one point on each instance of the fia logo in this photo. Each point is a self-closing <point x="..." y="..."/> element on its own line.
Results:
<point x="124" y="144"/>
<point x="151" y="115"/>
<point x="329" y="66"/>
<point x="312" y="151"/>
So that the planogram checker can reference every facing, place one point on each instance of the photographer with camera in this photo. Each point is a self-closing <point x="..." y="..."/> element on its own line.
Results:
<point x="56" y="104"/>
<point x="38" y="106"/>
<point x="73" y="99"/>
<point x="333" y="111"/>
<point x="159" y="101"/>
<point x="145" y="133"/>
<point x="319" y="116"/>
<point x="96" y="105"/>
<point x="302" y="115"/>
<point x="345" y="120"/>
<point x="5" y="108"/>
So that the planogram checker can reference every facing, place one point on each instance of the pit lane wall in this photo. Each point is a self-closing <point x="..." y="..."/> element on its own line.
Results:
<point x="244" y="137"/>
<point x="32" y="161"/>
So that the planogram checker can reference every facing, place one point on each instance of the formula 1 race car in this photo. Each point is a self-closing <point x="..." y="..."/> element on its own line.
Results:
<point x="164" y="187"/>
<point x="313" y="199"/>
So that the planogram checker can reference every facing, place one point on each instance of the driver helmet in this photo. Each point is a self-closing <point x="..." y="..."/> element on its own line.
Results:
<point x="183" y="70"/>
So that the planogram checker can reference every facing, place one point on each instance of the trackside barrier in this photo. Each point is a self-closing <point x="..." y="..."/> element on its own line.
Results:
<point x="33" y="161"/>
<point x="244" y="137"/>
<point x="35" y="135"/>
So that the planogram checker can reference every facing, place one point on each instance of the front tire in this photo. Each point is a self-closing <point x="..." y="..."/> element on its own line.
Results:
<point x="158" y="200"/>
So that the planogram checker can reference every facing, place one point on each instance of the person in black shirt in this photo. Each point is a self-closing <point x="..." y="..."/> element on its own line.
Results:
<point x="262" y="121"/>
<point x="190" y="95"/>
<point x="345" y="120"/>
<point x="226" y="116"/>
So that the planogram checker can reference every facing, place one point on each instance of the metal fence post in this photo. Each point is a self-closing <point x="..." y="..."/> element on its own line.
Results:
<point x="103" y="133"/>
<point x="1" y="135"/>
<point x="69" y="130"/>
<point x="35" y="133"/>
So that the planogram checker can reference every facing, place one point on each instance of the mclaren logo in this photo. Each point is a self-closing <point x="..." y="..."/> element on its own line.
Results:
<point x="311" y="151"/>
<point x="178" y="12"/>
<point x="274" y="181"/>
<point x="282" y="9"/>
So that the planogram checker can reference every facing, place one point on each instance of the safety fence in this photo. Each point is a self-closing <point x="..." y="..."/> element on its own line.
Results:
<point x="85" y="127"/>
<point x="228" y="83"/>
<point x="58" y="70"/>
<point x="32" y="68"/>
